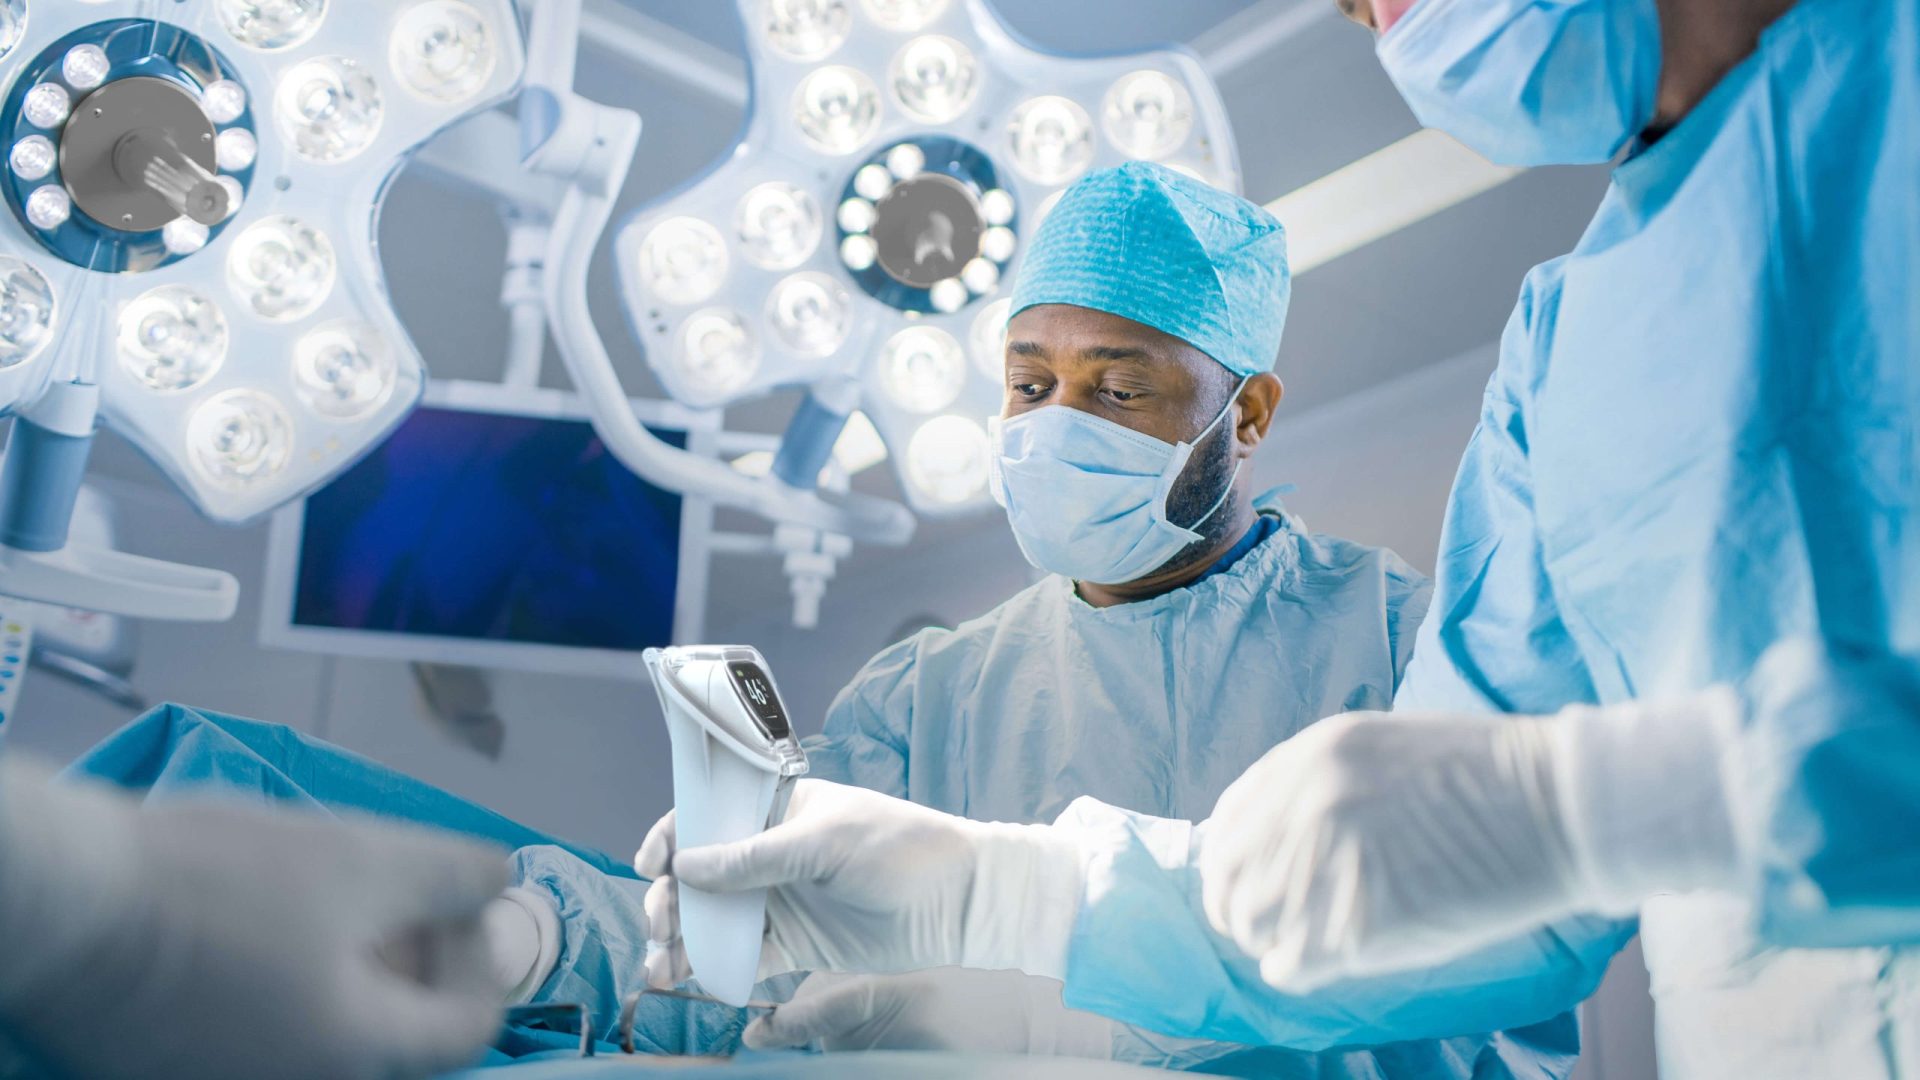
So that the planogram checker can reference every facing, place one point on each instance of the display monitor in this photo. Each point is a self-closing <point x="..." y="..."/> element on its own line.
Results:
<point x="494" y="529"/>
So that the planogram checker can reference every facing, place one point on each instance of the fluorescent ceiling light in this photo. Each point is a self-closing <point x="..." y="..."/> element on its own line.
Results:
<point x="1380" y="194"/>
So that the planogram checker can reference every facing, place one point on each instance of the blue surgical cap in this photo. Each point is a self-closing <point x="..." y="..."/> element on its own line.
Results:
<point x="1149" y="244"/>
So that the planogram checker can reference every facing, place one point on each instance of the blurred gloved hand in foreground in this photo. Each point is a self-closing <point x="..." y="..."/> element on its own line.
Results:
<point x="210" y="940"/>
<point x="1373" y="842"/>
<point x="988" y="1012"/>
<point x="861" y="882"/>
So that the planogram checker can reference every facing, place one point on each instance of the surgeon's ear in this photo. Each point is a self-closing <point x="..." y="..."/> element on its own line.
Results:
<point x="1259" y="400"/>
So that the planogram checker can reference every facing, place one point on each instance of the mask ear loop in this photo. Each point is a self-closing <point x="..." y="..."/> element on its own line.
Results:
<point x="1182" y="454"/>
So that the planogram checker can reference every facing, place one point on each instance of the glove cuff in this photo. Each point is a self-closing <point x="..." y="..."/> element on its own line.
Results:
<point x="1643" y="793"/>
<point x="1034" y="871"/>
<point x="524" y="934"/>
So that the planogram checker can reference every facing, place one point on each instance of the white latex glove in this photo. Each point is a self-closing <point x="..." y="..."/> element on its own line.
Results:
<point x="213" y="940"/>
<point x="1373" y="842"/>
<point x="866" y="883"/>
<point x="987" y="1012"/>
<point x="524" y="937"/>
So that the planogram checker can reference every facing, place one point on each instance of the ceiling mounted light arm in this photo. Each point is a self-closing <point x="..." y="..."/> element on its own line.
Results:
<point x="590" y="147"/>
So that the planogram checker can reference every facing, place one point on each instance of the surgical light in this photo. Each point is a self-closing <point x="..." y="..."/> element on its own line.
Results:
<point x="718" y="353"/>
<point x="343" y="371"/>
<point x="282" y="268"/>
<point x="443" y="51"/>
<point x="903" y="15"/>
<point x="778" y="225"/>
<point x="329" y="108"/>
<point x="684" y="260"/>
<point x="923" y="369"/>
<point x="810" y="313"/>
<point x="193" y="190"/>
<point x="47" y="105"/>
<point x="1051" y="139"/>
<point x="930" y="141"/>
<point x="837" y="109"/>
<point x="947" y="460"/>
<point x="240" y="439"/>
<point x="173" y="338"/>
<point x="32" y="158"/>
<point x="26" y="311"/>
<point x="271" y="24"/>
<point x="85" y="66"/>
<point x="934" y="78"/>
<point x="806" y="29"/>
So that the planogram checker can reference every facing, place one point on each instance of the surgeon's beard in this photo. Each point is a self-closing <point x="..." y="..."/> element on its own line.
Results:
<point x="1208" y="474"/>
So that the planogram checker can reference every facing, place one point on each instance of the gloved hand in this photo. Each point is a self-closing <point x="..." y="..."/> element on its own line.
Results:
<point x="1374" y="842"/>
<point x="859" y="882"/>
<point x="989" y="1012"/>
<point x="214" y="940"/>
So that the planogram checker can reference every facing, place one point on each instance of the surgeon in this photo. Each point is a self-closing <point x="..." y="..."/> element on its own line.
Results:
<point x="1682" y="540"/>
<point x="1183" y="628"/>
<point x="208" y="939"/>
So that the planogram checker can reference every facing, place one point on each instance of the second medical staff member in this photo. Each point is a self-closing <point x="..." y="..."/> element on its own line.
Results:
<point x="1691" y="498"/>
<point x="1148" y="318"/>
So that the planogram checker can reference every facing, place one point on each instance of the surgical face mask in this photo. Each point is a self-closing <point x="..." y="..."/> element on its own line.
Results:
<point x="1529" y="82"/>
<point x="1087" y="497"/>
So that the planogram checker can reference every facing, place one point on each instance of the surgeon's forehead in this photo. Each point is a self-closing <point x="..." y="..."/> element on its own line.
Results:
<point x="1069" y="328"/>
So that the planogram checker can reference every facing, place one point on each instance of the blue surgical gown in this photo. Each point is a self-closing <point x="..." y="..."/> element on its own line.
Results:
<point x="1698" y="464"/>
<point x="1156" y="706"/>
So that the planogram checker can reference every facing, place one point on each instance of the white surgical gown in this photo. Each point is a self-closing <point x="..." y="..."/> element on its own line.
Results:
<point x="1699" y="463"/>
<point x="1157" y="706"/>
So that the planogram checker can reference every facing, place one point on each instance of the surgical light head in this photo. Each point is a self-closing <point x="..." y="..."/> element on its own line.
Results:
<point x="861" y="239"/>
<point x="193" y="196"/>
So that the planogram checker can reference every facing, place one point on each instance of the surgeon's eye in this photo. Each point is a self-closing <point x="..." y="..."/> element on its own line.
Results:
<point x="1030" y="391"/>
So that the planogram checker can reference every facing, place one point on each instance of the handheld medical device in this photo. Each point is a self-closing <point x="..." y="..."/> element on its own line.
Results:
<point x="734" y="762"/>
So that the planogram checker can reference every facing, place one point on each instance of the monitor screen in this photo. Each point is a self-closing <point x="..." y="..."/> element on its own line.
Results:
<point x="492" y="527"/>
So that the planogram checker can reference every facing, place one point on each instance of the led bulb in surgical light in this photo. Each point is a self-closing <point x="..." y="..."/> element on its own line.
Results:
<point x="33" y="157"/>
<point x="49" y="207"/>
<point x="989" y="339"/>
<point x="947" y="459"/>
<point x="934" y="78"/>
<point x="837" y="109"/>
<point x="904" y="15"/>
<point x="26" y="312"/>
<point x="184" y="236"/>
<point x="805" y="29"/>
<point x="282" y="268"/>
<point x="996" y="207"/>
<point x="271" y="24"/>
<point x="948" y="295"/>
<point x="13" y="24"/>
<point x="47" y="105"/>
<point x="235" y="149"/>
<point x="344" y="372"/>
<point x="980" y="276"/>
<point x="683" y="260"/>
<point x="172" y="338"/>
<point x="905" y="161"/>
<point x="922" y="368"/>
<point x="443" y="50"/>
<point x="236" y="195"/>
<point x="998" y="243"/>
<point x="855" y="215"/>
<point x="240" y="438"/>
<point x="329" y="108"/>
<point x="717" y="353"/>
<point x="223" y="101"/>
<point x="1147" y="114"/>
<point x="85" y="66"/>
<point x="1051" y="139"/>
<point x="859" y="252"/>
<point x="872" y="182"/>
<point x="811" y="313"/>
<point x="778" y="225"/>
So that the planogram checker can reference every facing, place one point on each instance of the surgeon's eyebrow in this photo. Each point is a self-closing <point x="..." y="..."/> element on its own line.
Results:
<point x="1117" y="353"/>
<point x="1027" y="348"/>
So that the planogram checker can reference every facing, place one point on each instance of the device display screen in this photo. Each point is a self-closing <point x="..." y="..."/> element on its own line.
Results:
<point x="756" y="691"/>
<point x="493" y="527"/>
